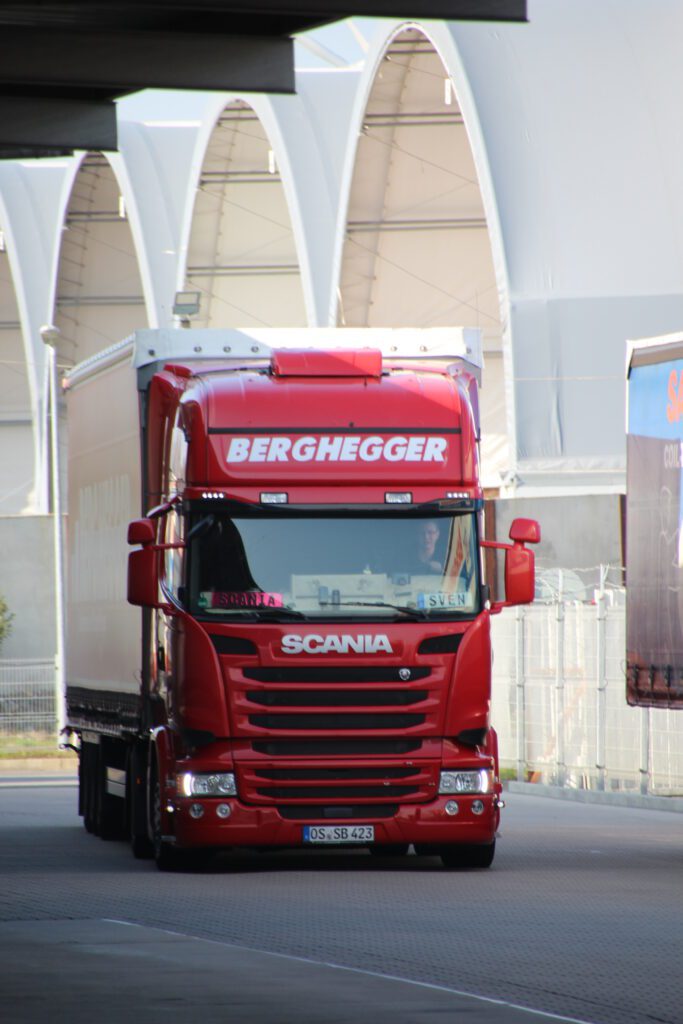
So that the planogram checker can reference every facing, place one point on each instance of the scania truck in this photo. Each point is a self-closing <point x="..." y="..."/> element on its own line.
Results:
<point x="304" y="655"/>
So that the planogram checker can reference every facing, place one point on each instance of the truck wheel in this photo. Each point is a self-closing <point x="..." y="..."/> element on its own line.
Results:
<point x="468" y="856"/>
<point x="88" y="782"/>
<point x="136" y="803"/>
<point x="167" y="857"/>
<point x="112" y="822"/>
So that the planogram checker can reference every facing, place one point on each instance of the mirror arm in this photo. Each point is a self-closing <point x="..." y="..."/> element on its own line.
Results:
<point x="498" y="545"/>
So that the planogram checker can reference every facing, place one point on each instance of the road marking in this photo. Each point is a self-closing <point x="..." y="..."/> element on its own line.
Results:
<point x="360" y="970"/>
<point x="36" y="783"/>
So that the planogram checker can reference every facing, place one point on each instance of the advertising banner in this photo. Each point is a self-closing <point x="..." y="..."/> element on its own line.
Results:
<point x="654" y="548"/>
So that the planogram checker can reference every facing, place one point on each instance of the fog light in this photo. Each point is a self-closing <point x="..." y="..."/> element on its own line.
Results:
<point x="451" y="808"/>
<point x="196" y="811"/>
<point x="223" y="810"/>
<point x="477" y="807"/>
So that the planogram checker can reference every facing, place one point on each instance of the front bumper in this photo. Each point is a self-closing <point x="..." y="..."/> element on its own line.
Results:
<point x="247" y="826"/>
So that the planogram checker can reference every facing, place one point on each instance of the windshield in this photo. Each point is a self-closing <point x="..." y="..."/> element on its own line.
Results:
<point x="328" y="567"/>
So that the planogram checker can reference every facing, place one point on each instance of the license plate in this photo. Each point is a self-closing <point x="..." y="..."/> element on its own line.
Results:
<point x="339" y="833"/>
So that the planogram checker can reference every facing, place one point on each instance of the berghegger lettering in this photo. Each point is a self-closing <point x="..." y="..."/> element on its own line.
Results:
<point x="338" y="448"/>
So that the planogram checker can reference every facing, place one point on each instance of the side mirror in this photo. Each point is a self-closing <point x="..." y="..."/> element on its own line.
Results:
<point x="525" y="531"/>
<point x="143" y="577"/>
<point x="141" y="531"/>
<point x="520" y="576"/>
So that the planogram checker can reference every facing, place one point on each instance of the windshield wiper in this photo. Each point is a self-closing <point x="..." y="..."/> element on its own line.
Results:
<point x="275" y="613"/>
<point x="417" y="613"/>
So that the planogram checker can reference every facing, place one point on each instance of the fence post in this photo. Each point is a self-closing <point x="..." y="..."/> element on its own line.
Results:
<point x="601" y="683"/>
<point x="559" y="689"/>
<point x="645" y="751"/>
<point x="520" y="701"/>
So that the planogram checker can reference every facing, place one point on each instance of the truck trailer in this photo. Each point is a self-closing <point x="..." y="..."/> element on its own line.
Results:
<point x="294" y="649"/>
<point x="654" y="517"/>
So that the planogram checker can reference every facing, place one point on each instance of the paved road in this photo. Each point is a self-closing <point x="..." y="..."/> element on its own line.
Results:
<point x="581" y="916"/>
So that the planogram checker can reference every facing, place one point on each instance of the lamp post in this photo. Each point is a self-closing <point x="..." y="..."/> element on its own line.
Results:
<point x="51" y="336"/>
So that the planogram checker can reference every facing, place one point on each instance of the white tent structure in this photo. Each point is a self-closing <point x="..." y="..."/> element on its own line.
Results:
<point x="519" y="178"/>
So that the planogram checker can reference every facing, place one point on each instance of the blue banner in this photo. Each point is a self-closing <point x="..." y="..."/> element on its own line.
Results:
<point x="655" y="400"/>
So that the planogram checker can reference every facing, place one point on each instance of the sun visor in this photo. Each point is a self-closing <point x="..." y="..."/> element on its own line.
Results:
<point x="333" y="362"/>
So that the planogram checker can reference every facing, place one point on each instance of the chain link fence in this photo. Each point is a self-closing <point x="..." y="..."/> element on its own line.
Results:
<point x="27" y="697"/>
<point x="559" y="701"/>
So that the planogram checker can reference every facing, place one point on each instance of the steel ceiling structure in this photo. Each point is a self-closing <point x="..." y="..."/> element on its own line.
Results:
<point x="63" y="63"/>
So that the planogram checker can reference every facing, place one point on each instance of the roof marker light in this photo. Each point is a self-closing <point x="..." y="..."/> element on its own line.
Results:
<point x="398" y="497"/>
<point x="274" y="498"/>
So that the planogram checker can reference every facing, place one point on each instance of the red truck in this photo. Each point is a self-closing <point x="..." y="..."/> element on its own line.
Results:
<point x="305" y="658"/>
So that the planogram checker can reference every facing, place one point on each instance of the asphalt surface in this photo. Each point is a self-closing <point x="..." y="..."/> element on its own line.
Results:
<point x="581" y="917"/>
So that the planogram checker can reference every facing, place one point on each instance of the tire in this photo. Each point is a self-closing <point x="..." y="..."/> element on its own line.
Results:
<point x="88" y="780"/>
<point x="166" y="856"/>
<point x="136" y="802"/>
<point x="111" y="809"/>
<point x="463" y="857"/>
<point x="390" y="850"/>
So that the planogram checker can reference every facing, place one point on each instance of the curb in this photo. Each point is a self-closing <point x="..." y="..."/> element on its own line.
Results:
<point x="62" y="763"/>
<point x="591" y="796"/>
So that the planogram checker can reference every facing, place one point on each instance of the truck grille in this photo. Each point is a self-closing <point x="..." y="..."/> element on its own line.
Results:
<point x="336" y="674"/>
<point x="336" y="698"/>
<point x="336" y="748"/>
<point x="298" y="723"/>
<point x="333" y="722"/>
<point x="327" y="698"/>
<point x="360" y="783"/>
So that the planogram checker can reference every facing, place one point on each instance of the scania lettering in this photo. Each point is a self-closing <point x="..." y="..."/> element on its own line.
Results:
<point x="316" y="644"/>
<point x="304" y="655"/>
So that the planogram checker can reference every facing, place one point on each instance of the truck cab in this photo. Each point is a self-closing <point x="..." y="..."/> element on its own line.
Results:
<point x="320" y="659"/>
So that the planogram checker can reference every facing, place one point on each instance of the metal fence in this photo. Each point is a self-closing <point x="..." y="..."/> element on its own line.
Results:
<point x="27" y="696"/>
<point x="559" y="701"/>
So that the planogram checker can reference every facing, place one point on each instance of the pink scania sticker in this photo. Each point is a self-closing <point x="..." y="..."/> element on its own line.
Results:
<point x="218" y="599"/>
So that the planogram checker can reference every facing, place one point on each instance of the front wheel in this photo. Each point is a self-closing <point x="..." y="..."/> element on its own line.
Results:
<point x="466" y="856"/>
<point x="166" y="856"/>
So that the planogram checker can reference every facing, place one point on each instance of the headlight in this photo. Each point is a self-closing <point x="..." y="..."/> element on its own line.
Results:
<point x="465" y="782"/>
<point x="207" y="784"/>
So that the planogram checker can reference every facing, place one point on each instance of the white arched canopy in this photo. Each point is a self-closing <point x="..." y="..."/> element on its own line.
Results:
<point x="242" y="260"/>
<point x="16" y="421"/>
<point x="417" y="250"/>
<point x="99" y="296"/>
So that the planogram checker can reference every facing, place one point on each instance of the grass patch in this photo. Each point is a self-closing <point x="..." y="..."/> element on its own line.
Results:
<point x="17" y="746"/>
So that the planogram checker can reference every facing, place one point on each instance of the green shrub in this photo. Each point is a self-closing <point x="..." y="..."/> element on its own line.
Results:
<point x="6" y="618"/>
